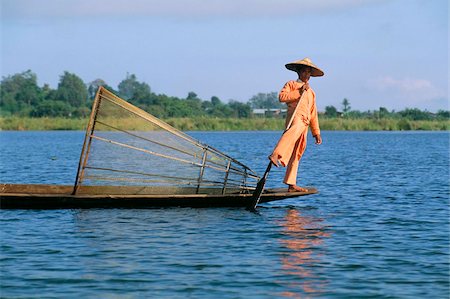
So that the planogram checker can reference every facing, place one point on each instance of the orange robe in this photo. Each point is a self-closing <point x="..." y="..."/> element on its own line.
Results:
<point x="292" y="143"/>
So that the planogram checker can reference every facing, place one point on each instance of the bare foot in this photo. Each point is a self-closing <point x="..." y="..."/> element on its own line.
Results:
<point x="294" y="188"/>
<point x="273" y="160"/>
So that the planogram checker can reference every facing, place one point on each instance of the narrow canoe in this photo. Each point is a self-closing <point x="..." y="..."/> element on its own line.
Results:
<point x="30" y="196"/>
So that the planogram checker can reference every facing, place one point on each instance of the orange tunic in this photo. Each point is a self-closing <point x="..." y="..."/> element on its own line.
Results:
<point x="292" y="143"/>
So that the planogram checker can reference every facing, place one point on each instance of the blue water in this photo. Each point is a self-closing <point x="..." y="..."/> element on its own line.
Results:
<point x="379" y="228"/>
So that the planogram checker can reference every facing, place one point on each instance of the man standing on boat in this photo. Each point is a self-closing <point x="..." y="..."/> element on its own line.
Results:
<point x="301" y="114"/>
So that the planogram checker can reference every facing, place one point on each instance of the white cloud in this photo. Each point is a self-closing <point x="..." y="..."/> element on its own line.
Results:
<point x="409" y="92"/>
<point x="90" y="8"/>
<point x="404" y="85"/>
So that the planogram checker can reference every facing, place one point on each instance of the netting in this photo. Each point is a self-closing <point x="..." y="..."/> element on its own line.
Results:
<point x="128" y="148"/>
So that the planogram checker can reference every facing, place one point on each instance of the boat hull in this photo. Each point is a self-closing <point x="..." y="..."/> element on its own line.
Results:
<point x="15" y="196"/>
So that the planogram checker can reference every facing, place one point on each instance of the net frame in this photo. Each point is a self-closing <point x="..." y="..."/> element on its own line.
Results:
<point x="237" y="176"/>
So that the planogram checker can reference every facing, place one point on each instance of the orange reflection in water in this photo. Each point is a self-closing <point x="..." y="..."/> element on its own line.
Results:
<point x="304" y="234"/>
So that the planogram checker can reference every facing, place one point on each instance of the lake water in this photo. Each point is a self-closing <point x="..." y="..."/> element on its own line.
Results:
<point x="379" y="228"/>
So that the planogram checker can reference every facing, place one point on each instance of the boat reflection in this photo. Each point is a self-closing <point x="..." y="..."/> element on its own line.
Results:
<point x="303" y="248"/>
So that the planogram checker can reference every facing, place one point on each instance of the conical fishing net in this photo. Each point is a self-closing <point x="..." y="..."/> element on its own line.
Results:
<point x="128" y="151"/>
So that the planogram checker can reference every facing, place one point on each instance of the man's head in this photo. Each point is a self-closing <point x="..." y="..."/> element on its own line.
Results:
<point x="304" y="73"/>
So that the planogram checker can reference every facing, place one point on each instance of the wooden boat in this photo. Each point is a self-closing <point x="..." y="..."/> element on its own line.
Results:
<point x="15" y="196"/>
<point x="130" y="158"/>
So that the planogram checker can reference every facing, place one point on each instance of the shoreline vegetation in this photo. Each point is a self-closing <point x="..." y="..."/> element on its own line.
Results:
<point x="15" y="123"/>
<point x="24" y="105"/>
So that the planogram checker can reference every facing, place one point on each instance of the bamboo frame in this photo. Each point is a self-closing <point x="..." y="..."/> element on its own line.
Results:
<point x="164" y="145"/>
<point x="225" y="180"/>
<point x="236" y="171"/>
<point x="141" y="113"/>
<point x="85" y="151"/>
<point x="207" y="161"/>
<point x="187" y="182"/>
<point x="168" y="178"/>
<point x="202" y="169"/>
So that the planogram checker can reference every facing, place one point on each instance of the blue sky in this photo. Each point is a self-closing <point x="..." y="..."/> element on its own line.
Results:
<point x="375" y="53"/>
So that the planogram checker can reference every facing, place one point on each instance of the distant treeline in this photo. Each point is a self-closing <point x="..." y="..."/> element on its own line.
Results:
<point x="22" y="97"/>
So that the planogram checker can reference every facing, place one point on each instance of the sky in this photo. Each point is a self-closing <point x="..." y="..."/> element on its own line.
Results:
<point x="375" y="53"/>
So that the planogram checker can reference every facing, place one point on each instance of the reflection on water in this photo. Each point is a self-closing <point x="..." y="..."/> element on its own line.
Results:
<point x="303" y="235"/>
<point x="379" y="228"/>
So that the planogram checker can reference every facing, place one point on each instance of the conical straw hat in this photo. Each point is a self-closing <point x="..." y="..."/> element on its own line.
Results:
<point x="315" y="71"/>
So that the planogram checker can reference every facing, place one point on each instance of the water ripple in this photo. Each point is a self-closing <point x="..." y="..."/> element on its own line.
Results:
<point x="378" y="228"/>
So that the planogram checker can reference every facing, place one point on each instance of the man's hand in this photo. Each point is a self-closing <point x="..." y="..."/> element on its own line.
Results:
<point x="318" y="139"/>
<point x="304" y="87"/>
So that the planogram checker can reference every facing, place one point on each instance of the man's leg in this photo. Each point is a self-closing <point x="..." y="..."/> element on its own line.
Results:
<point x="292" y="167"/>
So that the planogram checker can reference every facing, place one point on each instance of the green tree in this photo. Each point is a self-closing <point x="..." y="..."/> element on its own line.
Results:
<point x="127" y="86"/>
<point x="142" y="94"/>
<point x="156" y="110"/>
<point x="193" y="105"/>
<point x="139" y="92"/>
<point x="19" y="92"/>
<point x="192" y="96"/>
<point x="356" y="114"/>
<point x="207" y="106"/>
<point x="215" y="101"/>
<point x="94" y="85"/>
<point x="161" y="106"/>
<point x="72" y="90"/>
<point x="240" y="110"/>
<point x="265" y="101"/>
<point x="216" y="108"/>
<point x="345" y="106"/>
<point x="415" y="114"/>
<point x="52" y="108"/>
<point x="330" y="111"/>
<point x="443" y="114"/>
<point x="48" y="93"/>
<point x="383" y="112"/>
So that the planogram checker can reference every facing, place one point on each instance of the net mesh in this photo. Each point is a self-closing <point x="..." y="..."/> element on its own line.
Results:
<point x="130" y="151"/>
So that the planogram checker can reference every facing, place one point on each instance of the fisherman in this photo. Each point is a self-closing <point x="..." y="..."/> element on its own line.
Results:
<point x="301" y="114"/>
